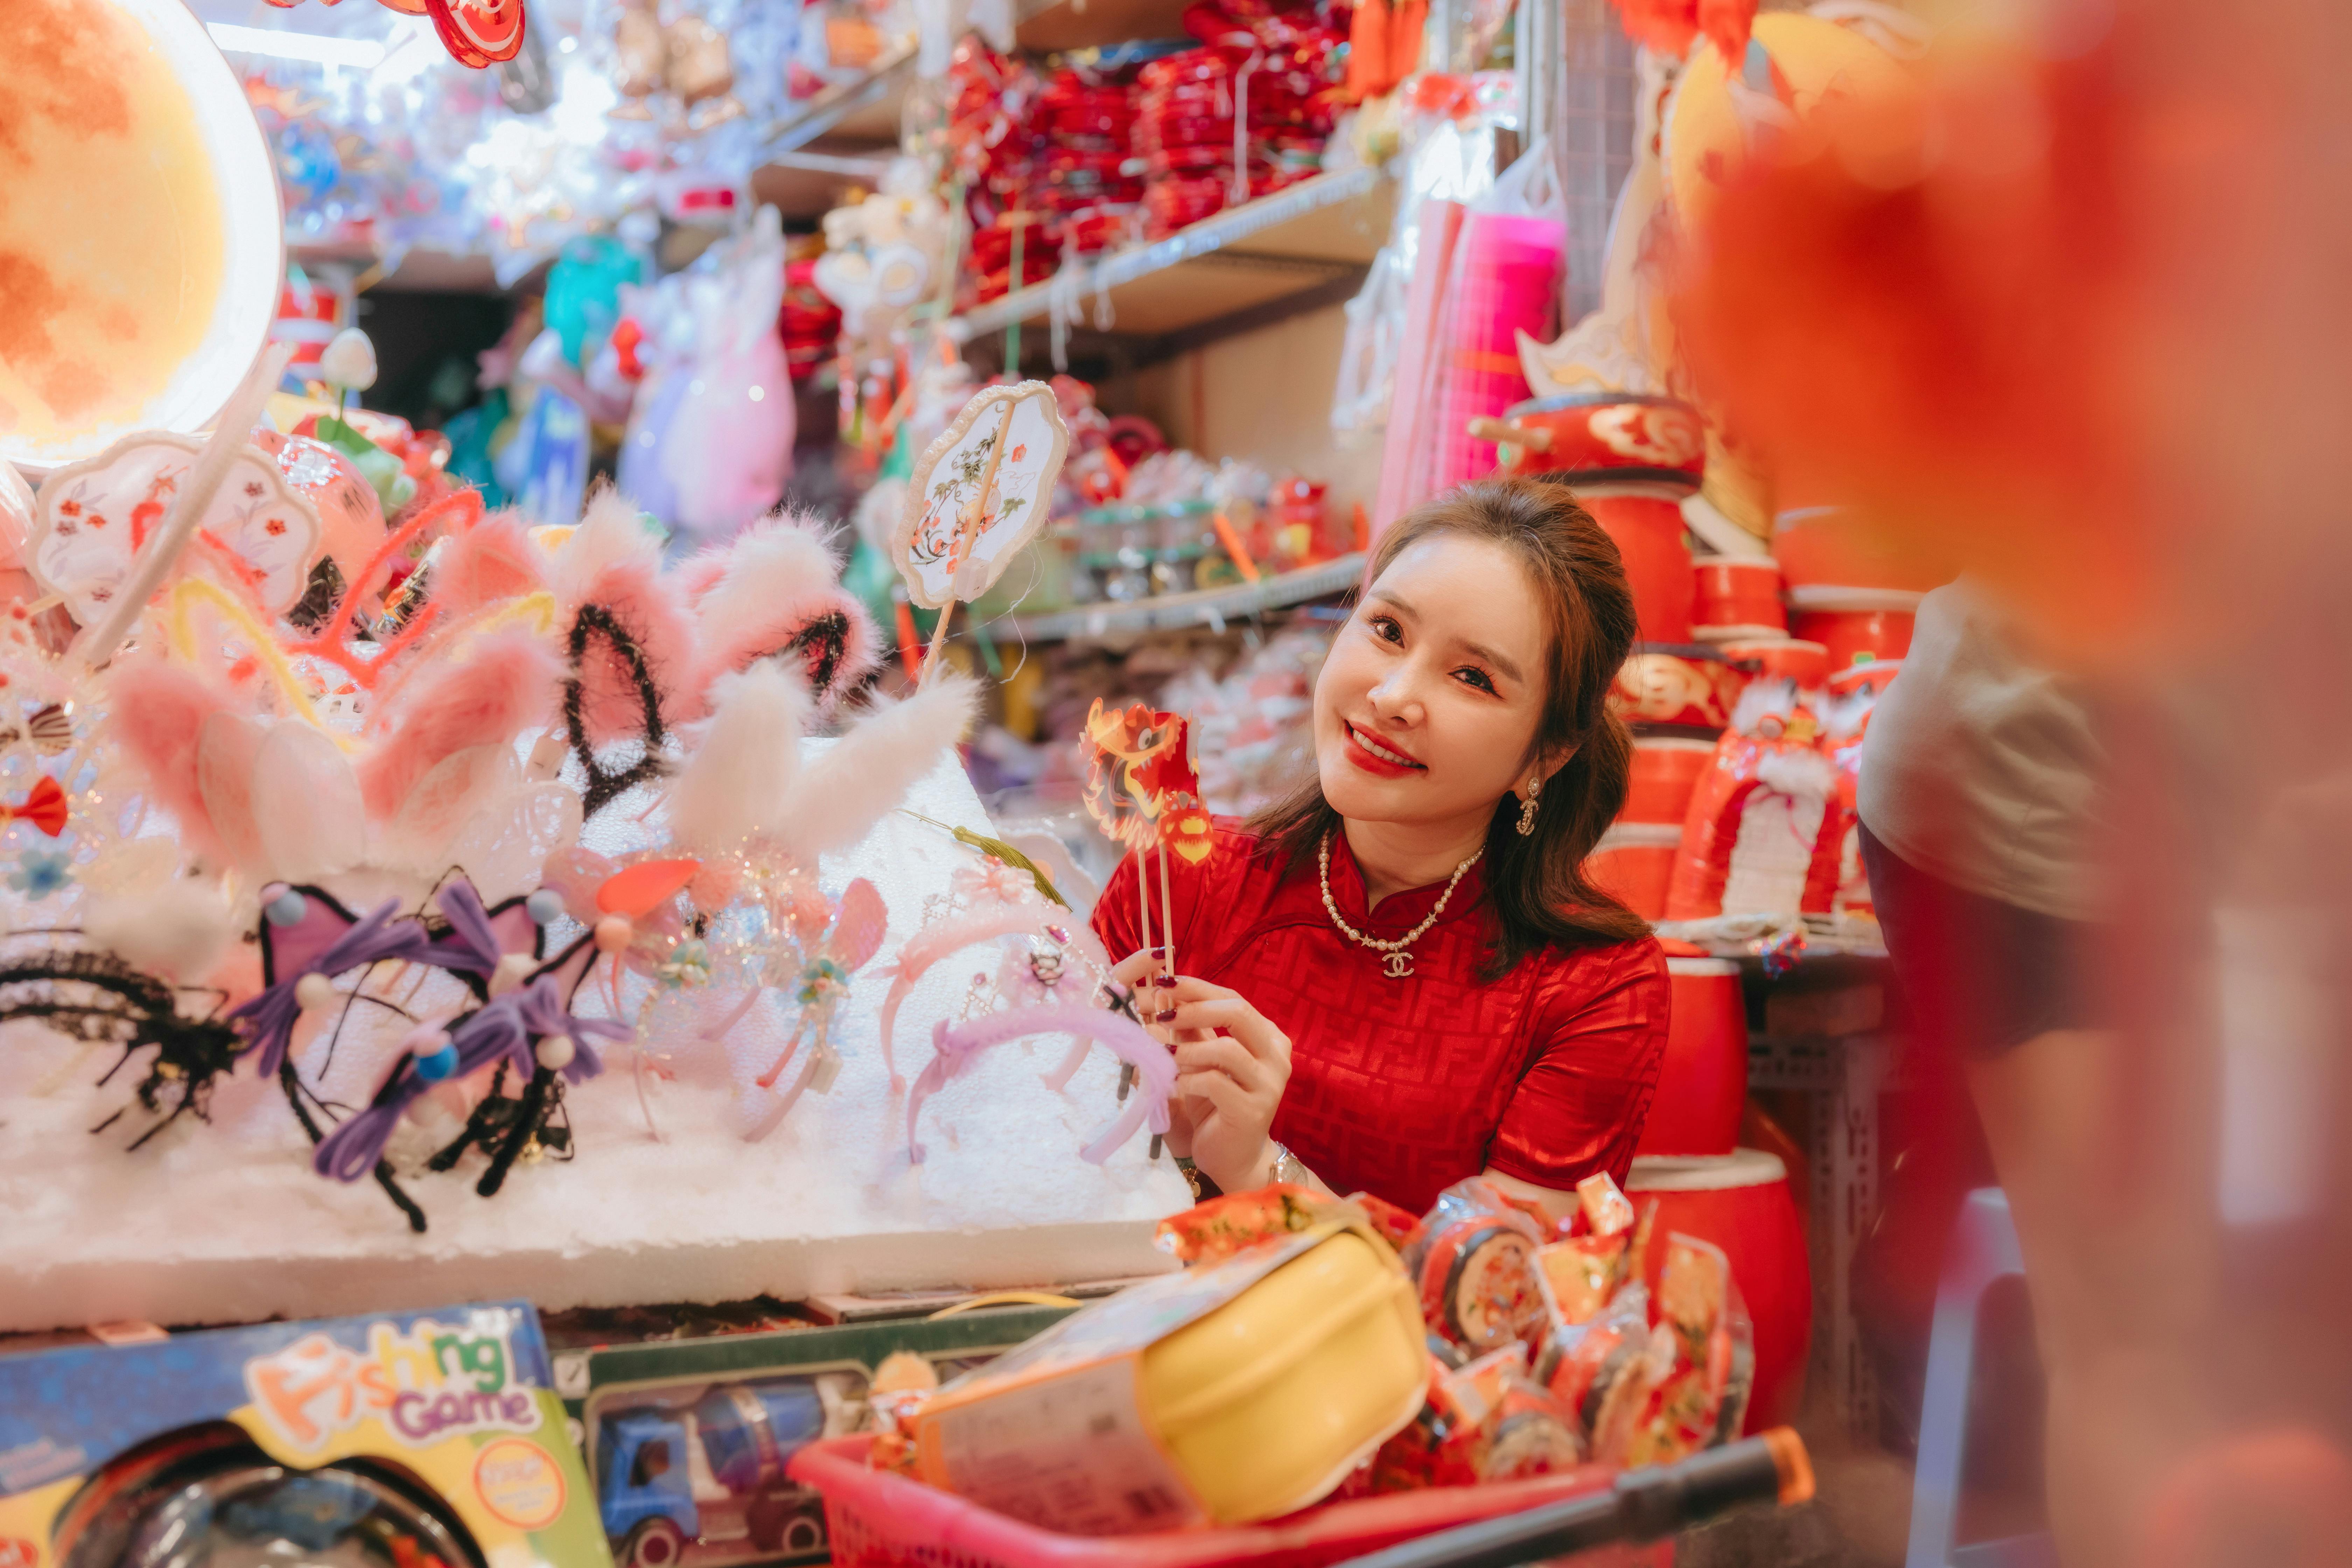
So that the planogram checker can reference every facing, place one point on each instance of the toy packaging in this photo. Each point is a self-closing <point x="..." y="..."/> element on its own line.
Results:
<point x="1240" y="1389"/>
<point x="688" y="1439"/>
<point x="409" y="1440"/>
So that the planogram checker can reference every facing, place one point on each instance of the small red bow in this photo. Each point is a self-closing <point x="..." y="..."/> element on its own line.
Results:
<point x="45" y="807"/>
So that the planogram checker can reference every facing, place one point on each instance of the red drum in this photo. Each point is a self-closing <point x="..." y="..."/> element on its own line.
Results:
<point x="1667" y="689"/>
<point x="1702" y="1084"/>
<point x="1634" y="863"/>
<point x="1833" y="544"/>
<point x="1604" y="435"/>
<point x="1857" y="625"/>
<point x="1873" y="678"/>
<point x="1741" y="1202"/>
<point x="1666" y="770"/>
<point x="1737" y="597"/>
<point x="1647" y="522"/>
<point x="1784" y="659"/>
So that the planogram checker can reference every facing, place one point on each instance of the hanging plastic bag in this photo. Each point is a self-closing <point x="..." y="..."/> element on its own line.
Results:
<point x="1447" y="157"/>
<point x="1504" y="283"/>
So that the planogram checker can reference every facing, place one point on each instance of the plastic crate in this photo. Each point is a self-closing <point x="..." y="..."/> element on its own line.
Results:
<point x="878" y="1520"/>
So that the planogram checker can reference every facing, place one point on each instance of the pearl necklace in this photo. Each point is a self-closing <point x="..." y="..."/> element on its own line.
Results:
<point x="1398" y="964"/>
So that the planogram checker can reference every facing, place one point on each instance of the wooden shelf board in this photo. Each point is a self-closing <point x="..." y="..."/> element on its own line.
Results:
<point x="1286" y="243"/>
<point x="1171" y="612"/>
<point x="1091" y="24"/>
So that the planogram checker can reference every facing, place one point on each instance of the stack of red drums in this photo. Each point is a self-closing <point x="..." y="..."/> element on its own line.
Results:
<point x="1703" y="1084"/>
<point x="1847" y="589"/>
<point x="1738" y="599"/>
<point x="1631" y="460"/>
<point x="1689" y="1162"/>
<point x="1856" y="626"/>
<point x="1635" y="858"/>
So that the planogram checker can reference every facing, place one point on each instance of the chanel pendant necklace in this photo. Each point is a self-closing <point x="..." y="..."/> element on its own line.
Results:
<point x="1396" y="960"/>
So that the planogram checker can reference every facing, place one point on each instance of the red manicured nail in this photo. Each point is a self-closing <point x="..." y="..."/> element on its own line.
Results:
<point x="1158" y="952"/>
<point x="1166" y="1017"/>
<point x="1163" y="981"/>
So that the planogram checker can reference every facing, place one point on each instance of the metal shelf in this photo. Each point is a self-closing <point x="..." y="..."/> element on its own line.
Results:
<point x="867" y="109"/>
<point x="808" y="184"/>
<point x="1298" y="241"/>
<point x="1213" y="608"/>
<point x="831" y="109"/>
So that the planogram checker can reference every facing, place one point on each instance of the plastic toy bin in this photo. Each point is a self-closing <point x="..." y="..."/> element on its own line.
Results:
<point x="877" y="1520"/>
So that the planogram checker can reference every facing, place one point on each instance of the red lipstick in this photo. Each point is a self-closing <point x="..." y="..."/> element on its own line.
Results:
<point x="1375" y="764"/>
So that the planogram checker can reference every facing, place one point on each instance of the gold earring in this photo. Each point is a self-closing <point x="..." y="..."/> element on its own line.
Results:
<point x="1528" y="806"/>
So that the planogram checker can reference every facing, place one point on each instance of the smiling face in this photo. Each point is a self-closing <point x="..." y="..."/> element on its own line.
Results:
<point x="1427" y="709"/>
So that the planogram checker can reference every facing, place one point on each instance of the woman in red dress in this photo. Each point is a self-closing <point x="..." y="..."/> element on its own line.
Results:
<point x="1400" y="977"/>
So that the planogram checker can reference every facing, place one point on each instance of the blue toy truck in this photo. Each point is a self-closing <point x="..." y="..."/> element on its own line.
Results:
<point x="703" y="1482"/>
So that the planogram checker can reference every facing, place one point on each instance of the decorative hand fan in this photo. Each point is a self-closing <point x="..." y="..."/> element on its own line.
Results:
<point x="92" y="518"/>
<point x="979" y="493"/>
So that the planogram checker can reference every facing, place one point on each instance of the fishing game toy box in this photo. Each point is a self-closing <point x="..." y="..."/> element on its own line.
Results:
<point x="409" y="1440"/>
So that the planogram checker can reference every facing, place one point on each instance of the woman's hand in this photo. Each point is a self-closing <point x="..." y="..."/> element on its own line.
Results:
<point x="1231" y="1066"/>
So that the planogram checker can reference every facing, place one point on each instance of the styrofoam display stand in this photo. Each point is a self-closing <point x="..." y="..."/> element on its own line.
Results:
<point x="228" y="1222"/>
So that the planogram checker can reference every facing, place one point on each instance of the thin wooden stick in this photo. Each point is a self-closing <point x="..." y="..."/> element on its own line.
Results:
<point x="204" y="481"/>
<point x="1144" y="989"/>
<point x="938" y="639"/>
<point x="1167" y="913"/>
<point x="1143" y="908"/>
<point x="1013" y="286"/>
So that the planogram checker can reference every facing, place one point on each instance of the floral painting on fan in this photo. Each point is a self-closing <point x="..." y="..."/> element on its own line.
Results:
<point x="978" y="494"/>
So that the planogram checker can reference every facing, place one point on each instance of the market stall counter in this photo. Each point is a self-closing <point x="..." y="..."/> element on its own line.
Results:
<point x="235" y="1226"/>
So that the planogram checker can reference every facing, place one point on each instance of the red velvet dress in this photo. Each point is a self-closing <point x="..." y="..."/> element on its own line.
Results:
<point x="1402" y="1087"/>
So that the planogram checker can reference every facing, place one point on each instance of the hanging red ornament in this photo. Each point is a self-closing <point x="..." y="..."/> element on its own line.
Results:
<point x="479" y="33"/>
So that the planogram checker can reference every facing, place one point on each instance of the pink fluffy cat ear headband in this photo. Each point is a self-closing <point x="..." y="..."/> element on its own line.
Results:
<point x="775" y="593"/>
<point x="592" y="624"/>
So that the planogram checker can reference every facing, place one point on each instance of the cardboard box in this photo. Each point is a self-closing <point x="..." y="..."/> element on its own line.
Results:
<point x="424" y="1437"/>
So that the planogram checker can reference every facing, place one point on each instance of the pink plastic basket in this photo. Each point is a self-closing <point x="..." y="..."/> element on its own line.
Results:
<point x="877" y="1520"/>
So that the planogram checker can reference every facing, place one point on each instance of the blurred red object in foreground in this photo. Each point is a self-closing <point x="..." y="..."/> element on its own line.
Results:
<point x="1920" y="313"/>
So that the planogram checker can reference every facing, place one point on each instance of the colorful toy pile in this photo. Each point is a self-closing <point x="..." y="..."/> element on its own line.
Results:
<point x="1537" y="1348"/>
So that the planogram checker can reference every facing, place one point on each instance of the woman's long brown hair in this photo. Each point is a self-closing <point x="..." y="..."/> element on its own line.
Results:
<point x="1535" y="885"/>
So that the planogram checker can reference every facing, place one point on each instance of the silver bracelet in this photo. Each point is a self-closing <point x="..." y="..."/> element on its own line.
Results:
<point x="1288" y="1167"/>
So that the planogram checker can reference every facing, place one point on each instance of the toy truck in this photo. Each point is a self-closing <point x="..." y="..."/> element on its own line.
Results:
<point x="682" y="1483"/>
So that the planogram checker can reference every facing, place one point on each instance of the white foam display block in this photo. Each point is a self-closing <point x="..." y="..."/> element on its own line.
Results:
<point x="226" y="1222"/>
